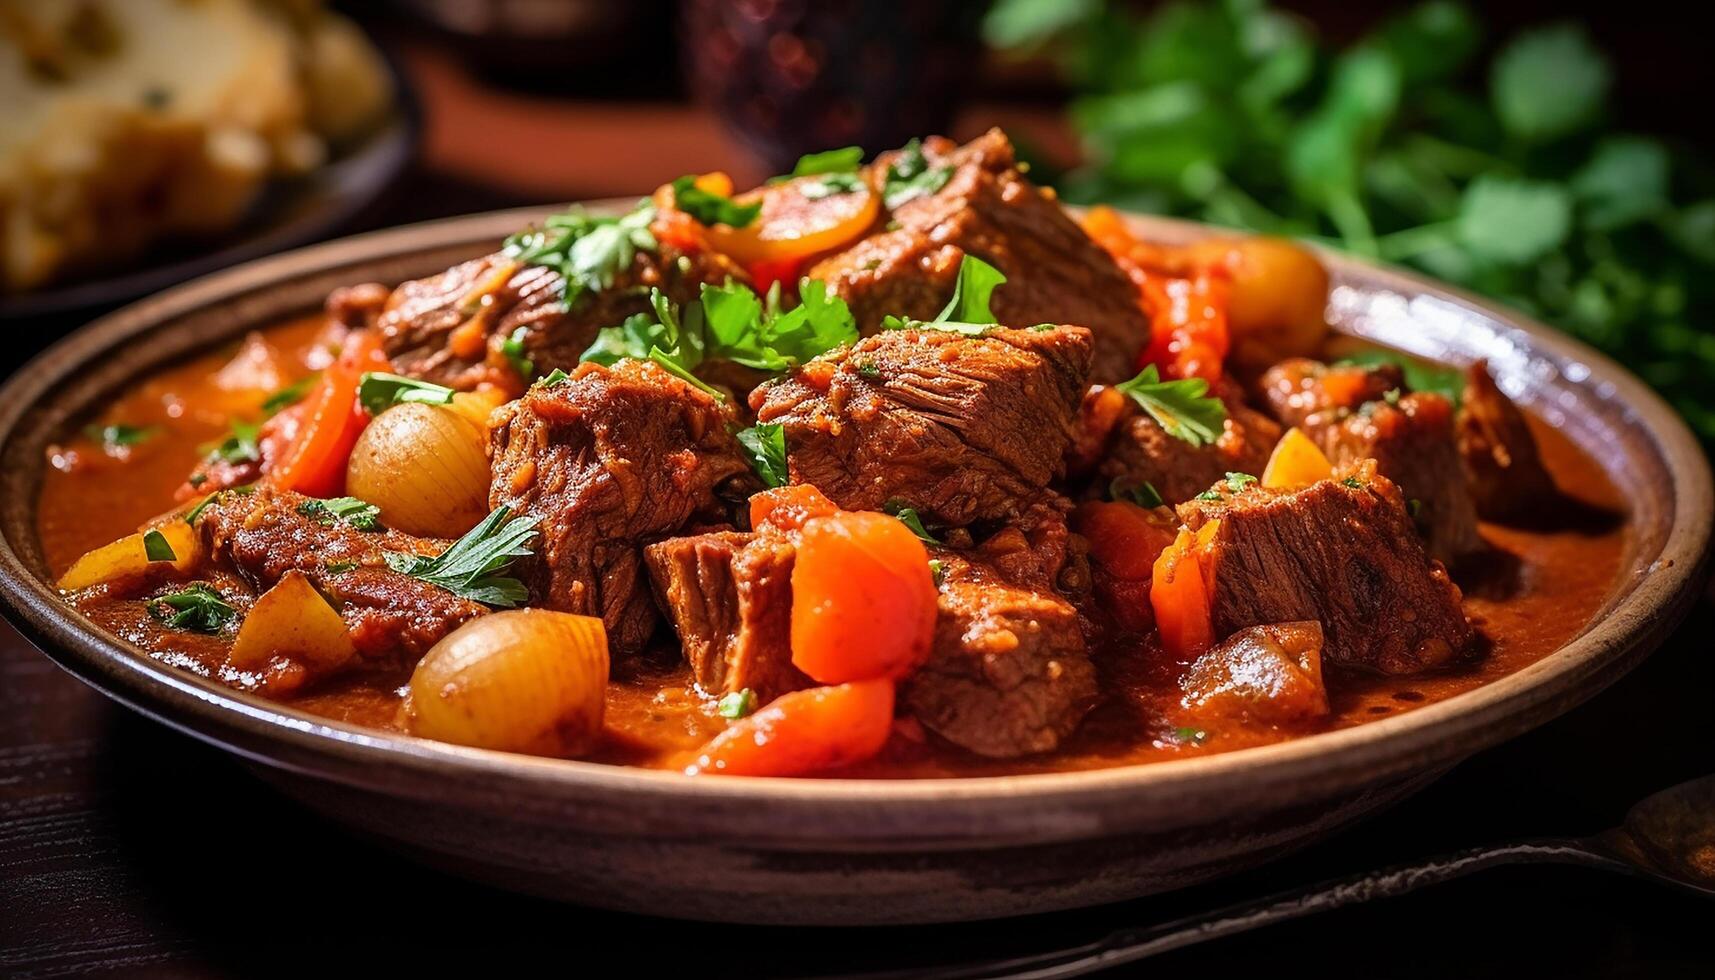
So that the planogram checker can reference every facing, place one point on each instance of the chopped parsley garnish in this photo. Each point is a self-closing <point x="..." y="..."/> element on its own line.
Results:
<point x="968" y="311"/>
<point x="867" y="368"/>
<point x="1419" y="376"/>
<point x="196" y="480"/>
<point x="730" y="323"/>
<point x="738" y="704"/>
<point x="1391" y="396"/>
<point x="340" y="567"/>
<point x="1194" y="736"/>
<point x="196" y="511"/>
<point x="289" y="395"/>
<point x="910" y="176"/>
<point x="711" y="208"/>
<point x="1209" y="495"/>
<point x="239" y="447"/>
<point x="908" y="517"/>
<point x="937" y="572"/>
<point x="1238" y="481"/>
<point x="1183" y="409"/>
<point x="1352" y="482"/>
<point x="513" y="348"/>
<point x="196" y="607"/>
<point x="844" y="160"/>
<point x="1143" y="496"/>
<point x="551" y="379"/>
<point x="156" y="547"/>
<point x="829" y="185"/>
<point x="766" y="445"/>
<point x="118" y="435"/>
<point x="379" y="391"/>
<point x="588" y="252"/>
<point x="472" y="566"/>
<point x="1414" y="508"/>
<point x="357" y="513"/>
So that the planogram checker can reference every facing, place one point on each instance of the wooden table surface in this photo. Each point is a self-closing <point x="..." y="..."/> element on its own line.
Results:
<point x="129" y="849"/>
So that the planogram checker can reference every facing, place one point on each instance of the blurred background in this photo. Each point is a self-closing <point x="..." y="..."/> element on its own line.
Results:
<point x="1555" y="156"/>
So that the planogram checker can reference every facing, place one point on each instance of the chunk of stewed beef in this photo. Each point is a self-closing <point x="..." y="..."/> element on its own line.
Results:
<point x="1505" y="468"/>
<point x="961" y="428"/>
<point x="1009" y="674"/>
<point x="1121" y="448"/>
<point x="607" y="460"/>
<point x="1366" y="412"/>
<point x="452" y="328"/>
<point x="393" y="618"/>
<point x="728" y="594"/>
<point x="1342" y="552"/>
<point x="1267" y="675"/>
<point x="986" y="208"/>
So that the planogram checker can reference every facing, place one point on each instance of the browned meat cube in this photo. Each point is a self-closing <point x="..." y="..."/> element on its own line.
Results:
<point x="1341" y="552"/>
<point x="1055" y="273"/>
<point x="729" y="595"/>
<point x="607" y="460"/>
<point x="1357" y="413"/>
<point x="1009" y="674"/>
<point x="1505" y="469"/>
<point x="449" y="328"/>
<point x="394" y="618"/>
<point x="1268" y="675"/>
<point x="961" y="428"/>
<point x="1136" y="450"/>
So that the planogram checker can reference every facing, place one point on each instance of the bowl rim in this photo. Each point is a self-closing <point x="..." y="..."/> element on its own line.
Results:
<point x="1300" y="770"/>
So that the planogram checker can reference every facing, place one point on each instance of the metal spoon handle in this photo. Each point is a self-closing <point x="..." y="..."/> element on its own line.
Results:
<point x="1130" y="945"/>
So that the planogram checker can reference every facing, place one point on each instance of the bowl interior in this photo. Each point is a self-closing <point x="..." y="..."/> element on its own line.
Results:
<point x="1644" y="448"/>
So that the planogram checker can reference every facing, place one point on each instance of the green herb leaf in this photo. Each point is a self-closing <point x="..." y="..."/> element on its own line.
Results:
<point x="239" y="447"/>
<point x="737" y="704"/>
<point x="908" y="516"/>
<point x="352" y="511"/>
<point x="844" y="160"/>
<point x="1447" y="382"/>
<point x="340" y="567"/>
<point x="513" y="348"/>
<point x="472" y="566"/>
<point x="1144" y="495"/>
<point x="1189" y="735"/>
<point x="1548" y="83"/>
<point x="910" y="176"/>
<point x="551" y="379"/>
<point x="1352" y="482"/>
<point x="197" y="607"/>
<point x="1183" y="408"/>
<point x="937" y="572"/>
<point x="1238" y="481"/>
<point x="378" y="391"/>
<point x="289" y="395"/>
<point x="156" y="547"/>
<point x="1625" y="182"/>
<point x="711" y="208"/>
<point x="1513" y="221"/>
<point x="967" y="311"/>
<point x="766" y="445"/>
<point x="118" y="435"/>
<point x="1210" y="495"/>
<point x="674" y="367"/>
<point x="589" y="253"/>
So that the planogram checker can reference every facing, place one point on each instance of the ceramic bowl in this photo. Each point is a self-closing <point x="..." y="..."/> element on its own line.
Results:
<point x="851" y="851"/>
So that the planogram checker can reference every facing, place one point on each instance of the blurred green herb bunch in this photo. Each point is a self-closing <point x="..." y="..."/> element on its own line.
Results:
<point x="1508" y="177"/>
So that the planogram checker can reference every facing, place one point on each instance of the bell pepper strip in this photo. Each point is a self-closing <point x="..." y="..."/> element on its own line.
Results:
<point x="1296" y="462"/>
<point x="800" y="217"/>
<point x="804" y="732"/>
<point x="863" y="599"/>
<point x="765" y="273"/>
<point x="1125" y="541"/>
<point x="1181" y="593"/>
<point x="1186" y="300"/>
<point x="329" y="421"/>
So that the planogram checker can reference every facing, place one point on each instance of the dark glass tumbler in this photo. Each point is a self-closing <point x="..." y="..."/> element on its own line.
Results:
<point x="790" y="77"/>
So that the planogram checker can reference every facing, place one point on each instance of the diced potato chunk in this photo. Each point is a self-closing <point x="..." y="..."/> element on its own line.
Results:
<point x="292" y="620"/>
<point x="129" y="557"/>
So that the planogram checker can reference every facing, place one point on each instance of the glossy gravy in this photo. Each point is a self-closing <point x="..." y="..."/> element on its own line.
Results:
<point x="1538" y="592"/>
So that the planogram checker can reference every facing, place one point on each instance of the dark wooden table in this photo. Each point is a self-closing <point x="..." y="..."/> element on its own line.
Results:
<point x="126" y="848"/>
